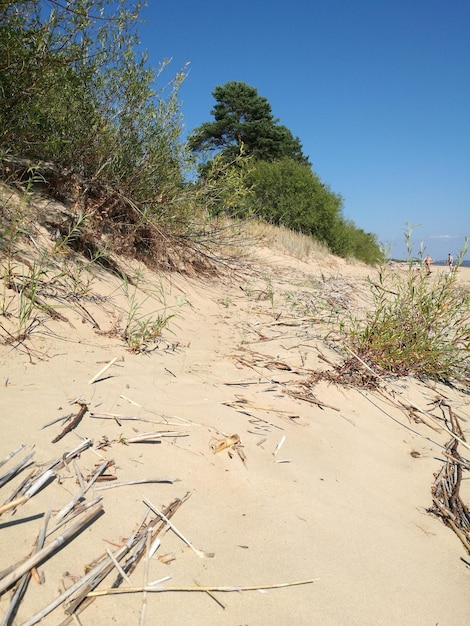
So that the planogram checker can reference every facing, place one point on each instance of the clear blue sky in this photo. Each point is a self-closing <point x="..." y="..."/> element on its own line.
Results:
<point x="377" y="91"/>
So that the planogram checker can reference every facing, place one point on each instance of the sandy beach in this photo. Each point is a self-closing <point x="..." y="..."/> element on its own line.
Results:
<point x="280" y="476"/>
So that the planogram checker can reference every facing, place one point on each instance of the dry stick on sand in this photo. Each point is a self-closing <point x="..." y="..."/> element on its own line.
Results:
<point x="236" y="404"/>
<point x="21" y="487"/>
<point x="445" y="493"/>
<point x="16" y="469"/>
<point x="201" y="554"/>
<point x="211" y="595"/>
<point x="117" y="417"/>
<point x="91" y="580"/>
<point x="152" y="437"/>
<point x="12" y="454"/>
<point x="140" y="481"/>
<point x="117" y="566"/>
<point x="69" y="506"/>
<point x="102" y="371"/>
<point x="448" y="503"/>
<point x="422" y="412"/>
<point x="34" y="488"/>
<point x="71" y="590"/>
<point x="63" y="418"/>
<point x="107" y="592"/>
<point x="148" y="541"/>
<point x="312" y="400"/>
<point x="65" y="459"/>
<point x="43" y="554"/>
<point x="21" y="588"/>
<point x="297" y="395"/>
<point x="73" y="424"/>
<point x="75" y="513"/>
<point x="279" y="445"/>
<point x="30" y="488"/>
<point x="81" y="601"/>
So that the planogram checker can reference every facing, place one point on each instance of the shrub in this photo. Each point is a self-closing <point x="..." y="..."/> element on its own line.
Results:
<point x="419" y="324"/>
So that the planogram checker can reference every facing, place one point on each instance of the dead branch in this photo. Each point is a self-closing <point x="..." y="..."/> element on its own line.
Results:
<point x="73" y="424"/>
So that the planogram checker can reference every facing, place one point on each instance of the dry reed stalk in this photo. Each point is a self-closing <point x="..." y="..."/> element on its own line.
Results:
<point x="21" y="487"/>
<point x="237" y="404"/>
<point x="222" y="444"/>
<point x="450" y="519"/>
<point x="230" y="589"/>
<point x="148" y="541"/>
<point x="117" y="566"/>
<point x="29" y="493"/>
<point x="243" y="411"/>
<point x="57" y="419"/>
<point x="45" y="552"/>
<point x="279" y="445"/>
<point x="309" y="398"/>
<point x="12" y="454"/>
<point x="16" y="469"/>
<point x="78" y="474"/>
<point x="39" y="482"/>
<point x="200" y="553"/>
<point x="140" y="481"/>
<point x="145" y="438"/>
<point x="159" y="581"/>
<point x="245" y="383"/>
<point x="69" y="506"/>
<point x="93" y="578"/>
<point x="65" y="459"/>
<point x="21" y="588"/>
<point x="131" y="401"/>
<point x="66" y="594"/>
<point x="447" y="503"/>
<point x="102" y="371"/>
<point x="13" y="504"/>
<point x="211" y="595"/>
<point x="82" y="601"/>
<point x="75" y="513"/>
<point x="422" y="412"/>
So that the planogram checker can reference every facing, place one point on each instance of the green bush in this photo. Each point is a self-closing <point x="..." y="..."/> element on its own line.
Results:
<point x="291" y="194"/>
<point x="419" y="323"/>
<point x="74" y="92"/>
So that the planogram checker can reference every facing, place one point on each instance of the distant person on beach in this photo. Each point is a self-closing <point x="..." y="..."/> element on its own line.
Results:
<point x="427" y="263"/>
<point x="450" y="262"/>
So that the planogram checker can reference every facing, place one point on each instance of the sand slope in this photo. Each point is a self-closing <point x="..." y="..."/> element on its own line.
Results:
<point x="342" y="501"/>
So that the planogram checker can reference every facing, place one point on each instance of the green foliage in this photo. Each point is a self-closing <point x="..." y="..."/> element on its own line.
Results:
<point x="244" y="118"/>
<point x="225" y="188"/>
<point x="74" y="92"/>
<point x="419" y="324"/>
<point x="350" y="241"/>
<point x="289" y="193"/>
<point x="143" y="329"/>
<point x="283" y="189"/>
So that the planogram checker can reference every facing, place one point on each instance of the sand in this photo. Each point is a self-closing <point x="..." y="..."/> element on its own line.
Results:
<point x="342" y="502"/>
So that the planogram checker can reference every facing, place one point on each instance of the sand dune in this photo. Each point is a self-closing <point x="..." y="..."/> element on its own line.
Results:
<point x="329" y="483"/>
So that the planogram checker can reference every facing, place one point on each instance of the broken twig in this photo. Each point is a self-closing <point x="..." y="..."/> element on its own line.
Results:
<point x="73" y="424"/>
<point x="106" y="592"/>
<point x="201" y="554"/>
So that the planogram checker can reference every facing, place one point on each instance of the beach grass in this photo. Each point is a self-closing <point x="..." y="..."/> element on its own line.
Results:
<point x="418" y="324"/>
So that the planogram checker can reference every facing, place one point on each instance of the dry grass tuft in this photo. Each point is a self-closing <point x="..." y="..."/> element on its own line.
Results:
<point x="286" y="241"/>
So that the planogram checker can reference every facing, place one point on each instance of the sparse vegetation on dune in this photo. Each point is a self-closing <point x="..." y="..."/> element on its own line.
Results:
<point x="417" y="324"/>
<point x="85" y="124"/>
<point x="283" y="239"/>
